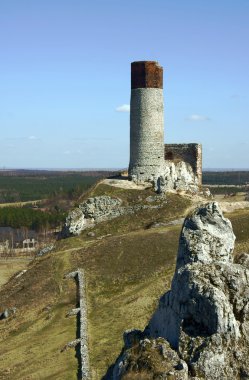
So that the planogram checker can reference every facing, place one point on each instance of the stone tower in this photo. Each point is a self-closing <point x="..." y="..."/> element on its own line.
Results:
<point x="146" y="121"/>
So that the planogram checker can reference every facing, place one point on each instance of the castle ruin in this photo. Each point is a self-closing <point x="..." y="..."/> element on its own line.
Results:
<point x="167" y="166"/>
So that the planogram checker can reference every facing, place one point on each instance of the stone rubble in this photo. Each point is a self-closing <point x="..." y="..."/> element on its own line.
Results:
<point x="7" y="313"/>
<point x="45" y="250"/>
<point x="205" y="315"/>
<point x="21" y="273"/>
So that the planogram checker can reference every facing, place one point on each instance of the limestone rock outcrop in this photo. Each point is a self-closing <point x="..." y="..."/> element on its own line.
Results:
<point x="99" y="209"/>
<point x="92" y="211"/>
<point x="205" y="315"/>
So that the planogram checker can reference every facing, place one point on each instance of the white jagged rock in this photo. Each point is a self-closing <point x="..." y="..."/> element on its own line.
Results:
<point x="103" y="208"/>
<point x="205" y="315"/>
<point x="92" y="211"/>
<point x="206" y="237"/>
<point x="75" y="223"/>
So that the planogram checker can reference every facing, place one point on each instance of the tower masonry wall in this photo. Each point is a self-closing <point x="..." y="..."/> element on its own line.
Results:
<point x="146" y="121"/>
<point x="146" y="133"/>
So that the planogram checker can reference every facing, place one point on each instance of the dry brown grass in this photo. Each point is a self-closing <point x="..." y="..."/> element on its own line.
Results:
<point x="126" y="274"/>
<point x="8" y="267"/>
<point x="32" y="339"/>
<point x="240" y="223"/>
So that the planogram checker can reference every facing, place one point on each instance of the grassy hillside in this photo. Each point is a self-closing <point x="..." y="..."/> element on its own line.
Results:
<point x="128" y="265"/>
<point x="240" y="222"/>
<point x="8" y="267"/>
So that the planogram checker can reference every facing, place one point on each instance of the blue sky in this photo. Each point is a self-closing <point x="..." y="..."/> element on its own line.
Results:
<point x="65" y="70"/>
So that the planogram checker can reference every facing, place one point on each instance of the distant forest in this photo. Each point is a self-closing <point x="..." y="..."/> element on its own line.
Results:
<point x="226" y="178"/>
<point x="60" y="191"/>
<point x="31" y="185"/>
<point x="24" y="185"/>
<point x="56" y="191"/>
<point x="37" y="220"/>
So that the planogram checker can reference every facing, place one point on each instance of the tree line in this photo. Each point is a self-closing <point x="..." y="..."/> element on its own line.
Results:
<point x="17" y="217"/>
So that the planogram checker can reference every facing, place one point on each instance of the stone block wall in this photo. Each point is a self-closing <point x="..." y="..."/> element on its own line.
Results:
<point x="81" y="313"/>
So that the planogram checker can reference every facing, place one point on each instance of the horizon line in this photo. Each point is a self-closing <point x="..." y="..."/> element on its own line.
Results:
<point x="108" y="169"/>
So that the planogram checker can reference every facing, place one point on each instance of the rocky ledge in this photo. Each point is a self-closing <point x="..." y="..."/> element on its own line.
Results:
<point x="200" y="329"/>
<point x="102" y="208"/>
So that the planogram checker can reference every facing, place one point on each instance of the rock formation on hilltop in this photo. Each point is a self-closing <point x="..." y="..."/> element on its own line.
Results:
<point x="200" y="329"/>
<point x="92" y="211"/>
<point x="102" y="208"/>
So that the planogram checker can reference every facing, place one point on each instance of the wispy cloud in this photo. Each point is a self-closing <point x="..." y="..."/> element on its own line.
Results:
<point x="237" y="96"/>
<point x="123" y="108"/>
<point x="33" y="138"/>
<point x="196" y="117"/>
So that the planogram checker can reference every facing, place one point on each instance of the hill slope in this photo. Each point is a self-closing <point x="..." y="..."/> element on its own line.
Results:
<point x="126" y="272"/>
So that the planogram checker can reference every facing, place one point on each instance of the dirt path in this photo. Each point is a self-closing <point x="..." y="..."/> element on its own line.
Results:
<point x="21" y="204"/>
<point x="124" y="183"/>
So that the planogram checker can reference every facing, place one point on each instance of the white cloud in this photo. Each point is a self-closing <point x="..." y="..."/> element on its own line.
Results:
<point x="123" y="108"/>
<point x="196" y="117"/>
<point x="33" y="138"/>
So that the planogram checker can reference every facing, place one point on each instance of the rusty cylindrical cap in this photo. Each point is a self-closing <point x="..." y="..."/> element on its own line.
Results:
<point x="146" y="74"/>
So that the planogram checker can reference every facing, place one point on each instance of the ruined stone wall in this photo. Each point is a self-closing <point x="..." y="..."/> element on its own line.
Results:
<point x="81" y="313"/>
<point x="188" y="153"/>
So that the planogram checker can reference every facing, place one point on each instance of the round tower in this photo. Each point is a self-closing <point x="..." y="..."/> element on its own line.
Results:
<point x="146" y="121"/>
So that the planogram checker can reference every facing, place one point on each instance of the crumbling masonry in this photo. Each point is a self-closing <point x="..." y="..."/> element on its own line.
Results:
<point x="170" y="166"/>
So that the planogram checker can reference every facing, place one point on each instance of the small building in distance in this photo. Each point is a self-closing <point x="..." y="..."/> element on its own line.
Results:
<point x="17" y="240"/>
<point x="29" y="244"/>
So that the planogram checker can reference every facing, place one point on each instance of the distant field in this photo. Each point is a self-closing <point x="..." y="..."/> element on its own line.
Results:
<point x="231" y="190"/>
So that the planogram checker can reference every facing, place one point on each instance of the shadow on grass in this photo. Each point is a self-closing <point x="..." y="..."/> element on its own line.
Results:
<point x="77" y="347"/>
